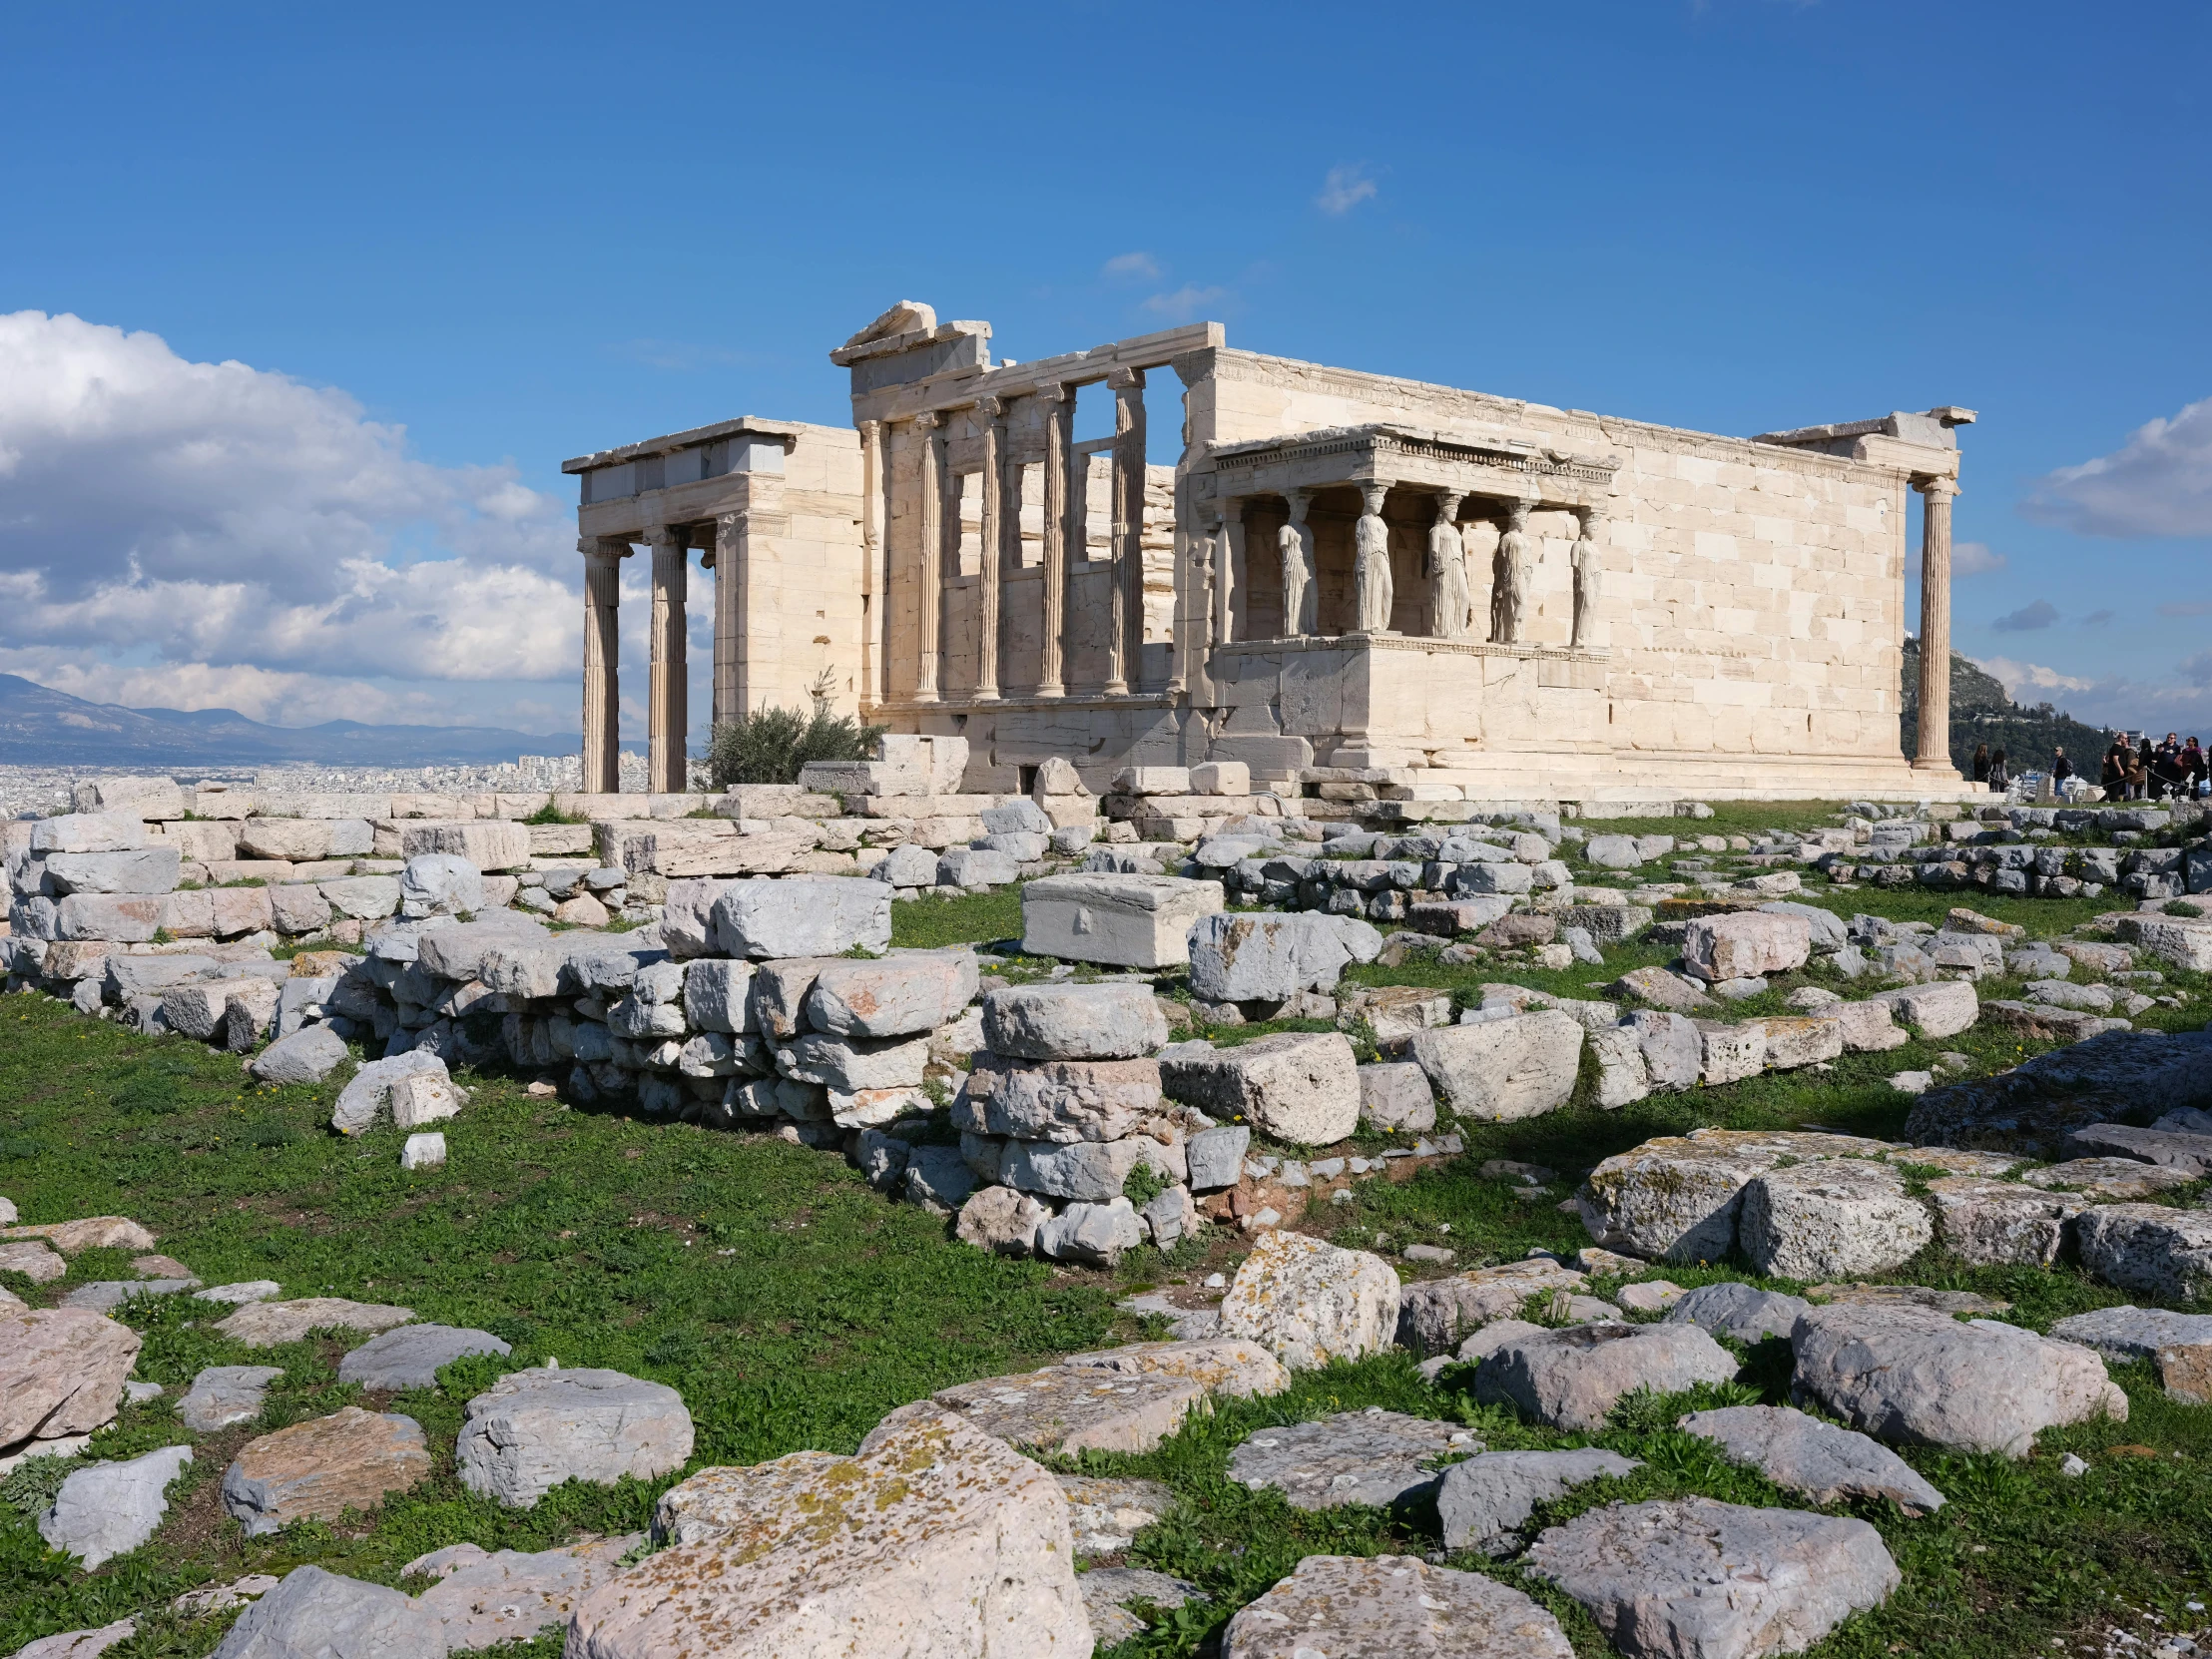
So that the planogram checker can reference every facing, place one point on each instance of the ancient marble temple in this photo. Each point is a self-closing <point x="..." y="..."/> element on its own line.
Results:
<point x="1492" y="599"/>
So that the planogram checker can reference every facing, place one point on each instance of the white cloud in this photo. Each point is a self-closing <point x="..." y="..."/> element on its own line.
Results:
<point x="1345" y="189"/>
<point x="2158" y="483"/>
<point x="1968" y="558"/>
<point x="1134" y="264"/>
<point x="197" y="535"/>
<point x="2019" y="678"/>
<point x="1186" y="301"/>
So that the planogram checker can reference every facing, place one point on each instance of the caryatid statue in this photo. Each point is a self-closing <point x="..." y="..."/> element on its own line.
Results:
<point x="1589" y="573"/>
<point x="1371" y="586"/>
<point x="1509" y="577"/>
<point x="1301" y="585"/>
<point x="1451" y="604"/>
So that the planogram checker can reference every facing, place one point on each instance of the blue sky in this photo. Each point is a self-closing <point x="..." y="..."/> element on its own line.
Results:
<point x="453" y="246"/>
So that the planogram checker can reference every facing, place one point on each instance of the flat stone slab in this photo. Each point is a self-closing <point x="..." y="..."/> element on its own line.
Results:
<point x="2130" y="1332"/>
<point x="2151" y="1248"/>
<point x="1824" y="1463"/>
<point x="112" y="1508"/>
<point x="1483" y="1500"/>
<point x="1375" y="1456"/>
<point x="103" y="1293"/>
<point x="62" y="1370"/>
<point x="1647" y="1571"/>
<point x="323" y="1468"/>
<point x="1917" y="1377"/>
<point x="2108" y="1178"/>
<point x="1388" y="1606"/>
<point x="533" y="1430"/>
<point x="1573" y="1378"/>
<point x="92" y="1232"/>
<point x="80" y="1644"/>
<point x="931" y="1539"/>
<point x="313" y="1614"/>
<point x="1111" y="1021"/>
<point x="1914" y="1296"/>
<point x="238" y="1292"/>
<point x="1677" y="1198"/>
<point x="2034" y="1106"/>
<point x="1297" y="1087"/>
<point x="1106" y="1515"/>
<point x="490" y="1596"/>
<point x="1230" y="1365"/>
<point x="33" y="1260"/>
<point x="1069" y="1408"/>
<point x="267" y="1324"/>
<point x="2000" y="1223"/>
<point x="1108" y="1591"/>
<point x="222" y="1397"/>
<point x="408" y="1356"/>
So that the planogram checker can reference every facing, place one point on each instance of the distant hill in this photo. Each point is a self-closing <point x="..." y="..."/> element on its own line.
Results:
<point x="1981" y="712"/>
<point x="39" y="727"/>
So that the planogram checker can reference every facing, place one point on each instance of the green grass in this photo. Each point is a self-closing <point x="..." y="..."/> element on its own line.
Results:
<point x="792" y="1308"/>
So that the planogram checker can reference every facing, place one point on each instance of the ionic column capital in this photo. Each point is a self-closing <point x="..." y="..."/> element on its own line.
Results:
<point x="1939" y="487"/>
<point x="870" y="430"/>
<point x="992" y="409"/>
<point x="930" y="420"/>
<point x="664" y="535"/>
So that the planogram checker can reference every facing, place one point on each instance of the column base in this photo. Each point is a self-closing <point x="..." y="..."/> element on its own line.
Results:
<point x="1938" y="772"/>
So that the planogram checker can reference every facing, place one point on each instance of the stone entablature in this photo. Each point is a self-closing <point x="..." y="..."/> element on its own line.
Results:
<point x="1339" y="564"/>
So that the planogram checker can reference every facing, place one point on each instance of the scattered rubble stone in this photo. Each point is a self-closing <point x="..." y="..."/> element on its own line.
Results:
<point x="408" y="1357"/>
<point x="1824" y="1463"/>
<point x="1482" y="1501"/>
<point x="323" y="1468"/>
<point x="1391" y="1604"/>
<point x="1308" y="1303"/>
<point x="110" y="1509"/>
<point x="533" y="1430"/>
<point x="1572" y="1378"/>
<point x="222" y="1397"/>
<point x="1374" y="1457"/>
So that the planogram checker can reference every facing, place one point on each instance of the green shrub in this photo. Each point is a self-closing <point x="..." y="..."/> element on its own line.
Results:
<point x="771" y="745"/>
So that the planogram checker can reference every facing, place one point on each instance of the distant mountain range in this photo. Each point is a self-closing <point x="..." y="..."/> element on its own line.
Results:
<point x="39" y="727"/>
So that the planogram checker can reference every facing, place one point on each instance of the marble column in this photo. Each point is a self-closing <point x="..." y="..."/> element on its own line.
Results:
<point x="1125" y="621"/>
<point x="729" y="561"/>
<point x="875" y="586"/>
<point x="666" y="713"/>
<point x="1061" y="499"/>
<point x="602" y="664"/>
<point x="990" y="412"/>
<point x="1935" y="734"/>
<point x="929" y="566"/>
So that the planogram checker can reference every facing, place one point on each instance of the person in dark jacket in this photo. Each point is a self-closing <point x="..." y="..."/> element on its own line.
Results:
<point x="2000" y="779"/>
<point x="2193" y="766"/>
<point x="2113" y="777"/>
<point x="2140" y="773"/>
<point x="2061" y="769"/>
<point x="1982" y="762"/>
<point x="2165" y="768"/>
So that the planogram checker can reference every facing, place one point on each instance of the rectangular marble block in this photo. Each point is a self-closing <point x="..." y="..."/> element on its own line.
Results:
<point x="1140" y="921"/>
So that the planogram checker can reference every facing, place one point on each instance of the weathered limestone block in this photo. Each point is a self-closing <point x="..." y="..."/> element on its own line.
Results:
<point x="150" y="869"/>
<point x="1839" y="1218"/>
<point x="1917" y="1377"/>
<point x="1791" y="1043"/>
<point x="935" y="1539"/>
<point x="1505" y="1069"/>
<point x="1057" y="1100"/>
<point x="1941" y="1010"/>
<point x="1866" y="1027"/>
<point x="1622" y="1079"/>
<point x="1064" y="1409"/>
<point x="488" y="843"/>
<point x="313" y="1612"/>
<point x="1112" y="1021"/>
<point x="850" y="1066"/>
<point x="1730" y="1053"/>
<point x="1391" y="1604"/>
<point x="110" y="1509"/>
<point x="2183" y="943"/>
<point x="2033" y="1107"/>
<point x="1301" y="1087"/>
<point x="489" y="1598"/>
<point x="1492" y="1494"/>
<point x="1095" y="1234"/>
<point x="323" y="1468"/>
<point x="1140" y="921"/>
<point x="2148" y="1247"/>
<point x="1270" y="957"/>
<point x="1228" y="1366"/>
<point x="896" y="997"/>
<point x="1572" y="1378"/>
<point x="1745" y="943"/>
<point x="2000" y="1223"/>
<point x="1089" y="1172"/>
<point x="1676" y="1198"/>
<point x="1380" y="1458"/>
<point x="295" y="840"/>
<point x="533" y="1430"/>
<point x="1673" y="1051"/>
<point x="1827" y="1464"/>
<point x="269" y="1324"/>
<point x="1435" y="1313"/>
<point x="1308" y="1303"/>
<point x="222" y="1397"/>
<point x="801" y="916"/>
<point x="1395" y="1095"/>
<point x="1646" y="1572"/>
<point x="116" y="831"/>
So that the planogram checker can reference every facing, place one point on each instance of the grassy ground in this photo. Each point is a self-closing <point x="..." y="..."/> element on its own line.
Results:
<point x="792" y="1308"/>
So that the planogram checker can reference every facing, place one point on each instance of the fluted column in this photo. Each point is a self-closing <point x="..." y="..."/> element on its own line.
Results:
<point x="1935" y="734"/>
<point x="1125" y="622"/>
<point x="991" y="412"/>
<point x="874" y="584"/>
<point x="602" y="772"/>
<point x="929" y="571"/>
<point x="1059" y="459"/>
<point x="666" y="713"/>
<point x="730" y="549"/>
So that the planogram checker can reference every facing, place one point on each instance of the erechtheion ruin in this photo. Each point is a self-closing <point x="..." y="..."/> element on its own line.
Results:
<point x="1488" y="599"/>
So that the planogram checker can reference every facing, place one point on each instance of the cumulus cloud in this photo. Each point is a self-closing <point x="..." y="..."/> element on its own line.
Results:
<point x="2158" y="483"/>
<point x="2041" y="614"/>
<point x="2018" y="678"/>
<point x="239" y="538"/>
<point x="1345" y="189"/>
<point x="1132" y="266"/>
